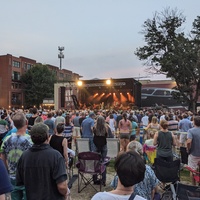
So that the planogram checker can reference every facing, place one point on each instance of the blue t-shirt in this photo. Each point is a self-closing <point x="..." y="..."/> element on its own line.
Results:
<point x="87" y="125"/>
<point x="184" y="125"/>
<point x="134" y="127"/>
<point x="50" y="123"/>
<point x="194" y="135"/>
<point x="5" y="185"/>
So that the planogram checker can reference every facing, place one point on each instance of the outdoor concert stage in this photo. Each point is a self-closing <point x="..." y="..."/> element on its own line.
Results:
<point x="98" y="93"/>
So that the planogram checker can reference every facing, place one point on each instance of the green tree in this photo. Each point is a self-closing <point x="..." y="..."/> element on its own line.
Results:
<point x="38" y="84"/>
<point x="168" y="51"/>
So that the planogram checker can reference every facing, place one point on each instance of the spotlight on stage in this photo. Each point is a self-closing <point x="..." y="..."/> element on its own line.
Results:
<point x="108" y="82"/>
<point x="79" y="83"/>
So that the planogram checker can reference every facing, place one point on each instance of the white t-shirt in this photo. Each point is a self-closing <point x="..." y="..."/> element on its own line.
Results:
<point x="111" y="196"/>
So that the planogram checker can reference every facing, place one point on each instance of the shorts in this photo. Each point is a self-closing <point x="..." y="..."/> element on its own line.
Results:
<point x="124" y="136"/>
<point x="76" y="132"/>
<point x="183" y="137"/>
<point x="193" y="161"/>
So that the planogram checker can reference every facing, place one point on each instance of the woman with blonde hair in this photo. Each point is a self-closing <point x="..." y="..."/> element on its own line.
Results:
<point x="152" y="126"/>
<point x="164" y="140"/>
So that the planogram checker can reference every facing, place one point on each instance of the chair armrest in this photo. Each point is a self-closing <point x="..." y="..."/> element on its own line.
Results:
<point x="106" y="161"/>
<point x="192" y="170"/>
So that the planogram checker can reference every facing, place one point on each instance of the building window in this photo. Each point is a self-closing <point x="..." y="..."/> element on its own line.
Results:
<point x="16" y="98"/>
<point x="16" y="64"/>
<point x="15" y="76"/>
<point x="68" y="77"/>
<point x="29" y="66"/>
<point x="25" y="65"/>
<point x="61" y="75"/>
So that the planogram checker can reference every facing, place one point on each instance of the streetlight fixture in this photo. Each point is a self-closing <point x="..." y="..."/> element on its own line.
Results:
<point x="61" y="55"/>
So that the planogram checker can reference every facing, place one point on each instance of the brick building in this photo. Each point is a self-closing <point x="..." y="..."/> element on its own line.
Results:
<point x="11" y="69"/>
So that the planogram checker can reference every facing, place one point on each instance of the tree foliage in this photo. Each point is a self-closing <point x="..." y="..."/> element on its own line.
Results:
<point x="38" y="84"/>
<point x="168" y="51"/>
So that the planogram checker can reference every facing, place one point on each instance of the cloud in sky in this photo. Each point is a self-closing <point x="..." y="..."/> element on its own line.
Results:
<point x="99" y="37"/>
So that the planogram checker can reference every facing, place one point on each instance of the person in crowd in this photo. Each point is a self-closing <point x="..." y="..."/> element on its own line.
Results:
<point x="50" y="123"/>
<point x="112" y="124"/>
<point x="148" y="188"/>
<point x="68" y="131"/>
<point x="145" y="120"/>
<point x="3" y="128"/>
<point x="41" y="166"/>
<point x="164" y="140"/>
<point x="153" y="125"/>
<point x="38" y="120"/>
<point x="124" y="132"/>
<point x="87" y="129"/>
<point x="82" y="117"/>
<point x="193" y="146"/>
<point x="149" y="142"/>
<point x="31" y="119"/>
<point x="132" y="115"/>
<point x="135" y="145"/>
<point x="135" y="129"/>
<point x="100" y="131"/>
<point x="76" y="132"/>
<point x="58" y="142"/>
<point x="130" y="169"/>
<point x="172" y="123"/>
<point x="59" y="118"/>
<point x="184" y="125"/>
<point x="13" y="146"/>
<point x="5" y="184"/>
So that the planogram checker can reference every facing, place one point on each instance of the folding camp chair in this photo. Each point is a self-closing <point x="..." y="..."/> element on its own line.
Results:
<point x="168" y="173"/>
<point x="90" y="163"/>
<point x="195" y="173"/>
<point x="113" y="147"/>
<point x="187" y="192"/>
<point x="82" y="145"/>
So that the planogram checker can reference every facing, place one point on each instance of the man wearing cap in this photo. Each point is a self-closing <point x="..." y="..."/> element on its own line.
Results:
<point x="42" y="169"/>
<point x="87" y="129"/>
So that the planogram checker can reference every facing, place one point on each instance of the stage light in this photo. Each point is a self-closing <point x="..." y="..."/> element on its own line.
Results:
<point x="108" y="82"/>
<point x="120" y="93"/>
<point x="79" y="83"/>
<point x="127" y="92"/>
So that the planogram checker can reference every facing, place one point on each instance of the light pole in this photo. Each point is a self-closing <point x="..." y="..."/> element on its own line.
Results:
<point x="60" y="55"/>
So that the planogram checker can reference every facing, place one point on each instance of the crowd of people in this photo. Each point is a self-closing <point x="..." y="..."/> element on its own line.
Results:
<point x="36" y="143"/>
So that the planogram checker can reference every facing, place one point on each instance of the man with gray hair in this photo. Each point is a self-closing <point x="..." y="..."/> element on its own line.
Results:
<point x="42" y="169"/>
<point x="13" y="146"/>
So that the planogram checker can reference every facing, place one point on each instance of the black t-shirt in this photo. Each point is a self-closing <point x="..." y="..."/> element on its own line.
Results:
<point x="31" y="120"/>
<point x="56" y="143"/>
<point x="99" y="141"/>
<point x="40" y="169"/>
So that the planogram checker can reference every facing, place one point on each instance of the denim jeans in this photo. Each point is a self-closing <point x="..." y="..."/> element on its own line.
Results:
<point x="19" y="192"/>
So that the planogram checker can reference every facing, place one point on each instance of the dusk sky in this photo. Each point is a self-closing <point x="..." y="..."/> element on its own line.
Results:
<point x="99" y="36"/>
